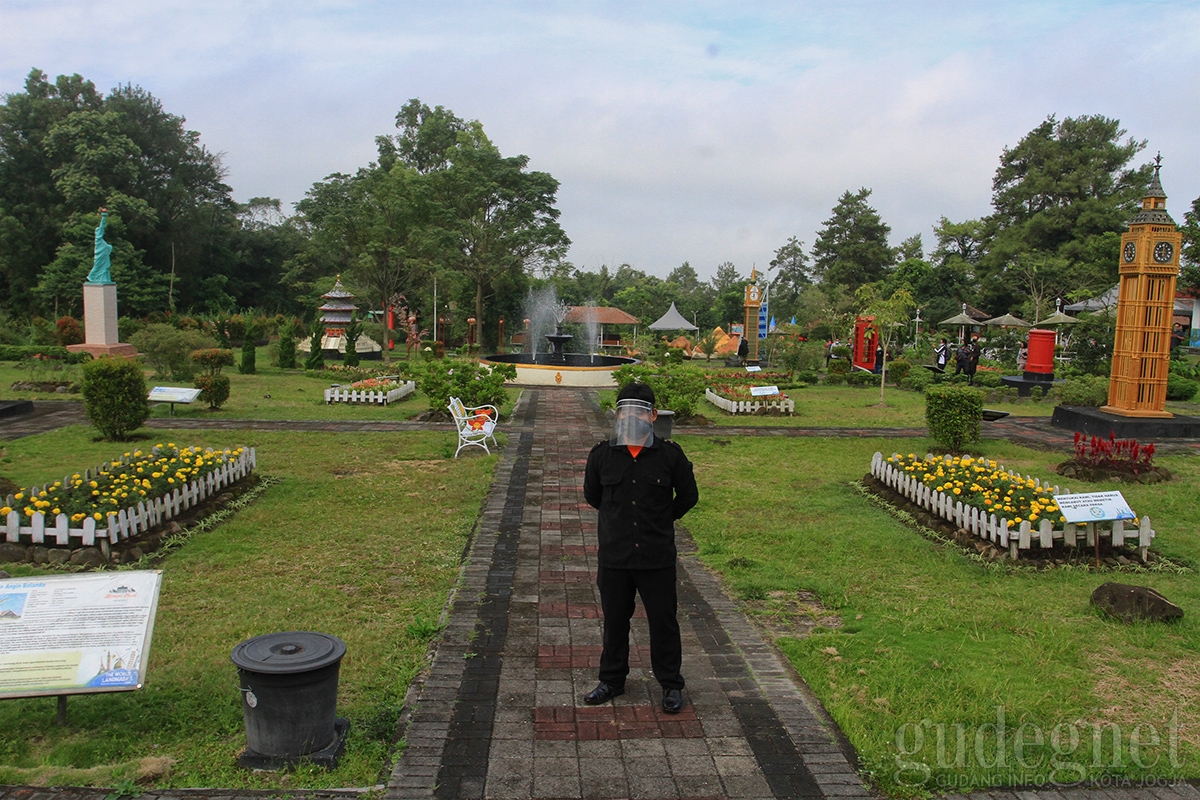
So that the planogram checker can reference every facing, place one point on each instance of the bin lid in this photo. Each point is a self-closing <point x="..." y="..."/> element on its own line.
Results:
<point x="288" y="652"/>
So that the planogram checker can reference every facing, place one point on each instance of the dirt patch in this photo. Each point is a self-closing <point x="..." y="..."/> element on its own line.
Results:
<point x="794" y="614"/>
<point x="1174" y="686"/>
<point x="1094" y="474"/>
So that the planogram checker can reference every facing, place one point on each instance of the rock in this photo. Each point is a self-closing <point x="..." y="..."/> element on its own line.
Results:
<point x="172" y="528"/>
<point x="11" y="553"/>
<point x="1128" y="603"/>
<point x="59" y="556"/>
<point x="134" y="554"/>
<point x="62" y="390"/>
<point x="4" y="574"/>
<point x="87" y="557"/>
<point x="41" y="555"/>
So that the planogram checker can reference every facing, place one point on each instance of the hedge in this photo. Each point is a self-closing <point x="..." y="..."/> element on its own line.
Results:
<point x="19" y="352"/>
<point x="952" y="414"/>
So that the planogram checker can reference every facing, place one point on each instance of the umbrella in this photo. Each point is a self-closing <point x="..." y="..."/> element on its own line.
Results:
<point x="962" y="320"/>
<point x="1058" y="318"/>
<point x="1008" y="321"/>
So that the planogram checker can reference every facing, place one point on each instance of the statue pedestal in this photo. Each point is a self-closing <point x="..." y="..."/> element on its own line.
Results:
<point x="100" y="323"/>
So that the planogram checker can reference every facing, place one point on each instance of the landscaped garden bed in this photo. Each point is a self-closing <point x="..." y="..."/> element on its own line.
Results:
<point x="382" y="390"/>
<point x="731" y="392"/>
<point x="103" y="506"/>
<point x="984" y="501"/>
<point x="1113" y="459"/>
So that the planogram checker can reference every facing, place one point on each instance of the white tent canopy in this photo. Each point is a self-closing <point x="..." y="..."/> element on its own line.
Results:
<point x="672" y="321"/>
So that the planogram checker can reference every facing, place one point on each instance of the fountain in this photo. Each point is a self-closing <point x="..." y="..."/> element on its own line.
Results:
<point x="546" y="314"/>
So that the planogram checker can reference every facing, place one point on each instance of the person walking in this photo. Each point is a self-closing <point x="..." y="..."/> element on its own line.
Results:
<point x="640" y="485"/>
<point x="973" y="352"/>
<point x="941" y="355"/>
<point x="743" y="350"/>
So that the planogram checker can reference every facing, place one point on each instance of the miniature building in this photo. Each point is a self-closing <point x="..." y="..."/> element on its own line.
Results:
<point x="336" y="315"/>
<point x="1149" y="267"/>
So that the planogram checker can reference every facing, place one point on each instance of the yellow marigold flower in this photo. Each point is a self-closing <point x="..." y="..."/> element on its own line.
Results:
<point x="19" y="496"/>
<point x="56" y="510"/>
<point x="170" y="480"/>
<point x="957" y="490"/>
<point x="97" y="516"/>
<point x="5" y="511"/>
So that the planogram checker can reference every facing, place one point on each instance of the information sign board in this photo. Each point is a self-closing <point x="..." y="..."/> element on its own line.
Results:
<point x="763" y="391"/>
<point x="76" y="634"/>
<point x="1093" y="507"/>
<point x="172" y="394"/>
<point x="754" y="369"/>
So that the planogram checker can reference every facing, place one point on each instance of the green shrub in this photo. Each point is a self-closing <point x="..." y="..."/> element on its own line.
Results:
<point x="169" y="350"/>
<point x="795" y="355"/>
<point x="898" y="369"/>
<point x="953" y="414"/>
<point x="808" y="376"/>
<point x="860" y="378"/>
<point x="989" y="380"/>
<point x="1180" y="388"/>
<point x="1084" y="390"/>
<point x="679" y="389"/>
<point x="249" y="355"/>
<point x="214" y="389"/>
<point x="839" y="366"/>
<point x="20" y="352"/>
<point x="469" y="381"/>
<point x="287" y="346"/>
<point x="353" y="331"/>
<point x="917" y="380"/>
<point x="114" y="396"/>
<point x="316" y="358"/>
<point x="212" y="359"/>
<point x="835" y="378"/>
<point x="127" y="327"/>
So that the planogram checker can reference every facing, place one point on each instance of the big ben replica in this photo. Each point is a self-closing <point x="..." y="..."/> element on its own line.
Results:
<point x="1149" y="267"/>
<point x="752" y="303"/>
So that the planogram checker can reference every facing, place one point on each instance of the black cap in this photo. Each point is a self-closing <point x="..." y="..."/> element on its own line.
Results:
<point x="636" y="391"/>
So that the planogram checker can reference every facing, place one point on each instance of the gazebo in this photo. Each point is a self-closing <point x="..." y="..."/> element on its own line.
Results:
<point x="602" y="316"/>
<point x="672" y="321"/>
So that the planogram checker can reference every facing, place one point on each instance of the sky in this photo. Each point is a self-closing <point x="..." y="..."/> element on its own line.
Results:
<point x="679" y="131"/>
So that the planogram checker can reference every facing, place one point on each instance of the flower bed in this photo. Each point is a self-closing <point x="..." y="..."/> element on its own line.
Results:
<point x="380" y="390"/>
<point x="987" y="500"/>
<point x="121" y="499"/>
<point x="730" y="391"/>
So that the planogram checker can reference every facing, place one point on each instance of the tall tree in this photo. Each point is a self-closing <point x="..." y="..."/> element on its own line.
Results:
<point x="1189" y="273"/>
<point x="1061" y="195"/>
<point x="852" y="248"/>
<point x="791" y="269"/>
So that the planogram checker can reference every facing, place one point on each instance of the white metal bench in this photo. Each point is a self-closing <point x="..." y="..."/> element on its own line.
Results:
<point x="475" y="425"/>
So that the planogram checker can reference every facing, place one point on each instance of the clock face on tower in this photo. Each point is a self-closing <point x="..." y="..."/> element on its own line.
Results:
<point x="1163" y="252"/>
<point x="752" y="293"/>
<point x="1130" y="251"/>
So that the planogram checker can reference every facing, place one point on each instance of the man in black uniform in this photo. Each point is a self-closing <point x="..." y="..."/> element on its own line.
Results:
<point x="640" y="484"/>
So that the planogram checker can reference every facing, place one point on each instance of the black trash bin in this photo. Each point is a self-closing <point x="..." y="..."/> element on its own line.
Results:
<point x="289" y="687"/>
<point x="664" y="423"/>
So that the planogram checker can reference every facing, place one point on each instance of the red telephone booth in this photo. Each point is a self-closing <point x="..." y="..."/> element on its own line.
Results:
<point x="866" y="343"/>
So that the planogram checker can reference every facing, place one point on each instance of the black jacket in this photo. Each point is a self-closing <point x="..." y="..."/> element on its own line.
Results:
<point x="639" y="501"/>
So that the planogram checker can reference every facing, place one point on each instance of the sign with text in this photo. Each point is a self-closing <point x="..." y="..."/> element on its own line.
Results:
<point x="171" y="394"/>
<point x="754" y="369"/>
<point x="76" y="634"/>
<point x="1093" y="507"/>
<point x="763" y="391"/>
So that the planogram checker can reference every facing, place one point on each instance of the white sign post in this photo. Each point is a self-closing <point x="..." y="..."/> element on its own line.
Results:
<point x="1091" y="507"/>
<point x="763" y="391"/>
<point x="76" y="634"/>
<point x="173" y="395"/>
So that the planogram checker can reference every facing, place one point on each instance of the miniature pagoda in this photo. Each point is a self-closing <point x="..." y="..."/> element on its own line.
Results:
<point x="336" y="314"/>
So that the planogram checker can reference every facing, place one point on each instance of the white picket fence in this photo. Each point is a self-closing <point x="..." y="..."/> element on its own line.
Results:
<point x="995" y="529"/>
<point x="129" y="521"/>
<point x="339" y="395"/>
<point x="785" y="404"/>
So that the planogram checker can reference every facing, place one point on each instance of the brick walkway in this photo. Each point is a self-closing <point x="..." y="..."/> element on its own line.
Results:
<point x="499" y="713"/>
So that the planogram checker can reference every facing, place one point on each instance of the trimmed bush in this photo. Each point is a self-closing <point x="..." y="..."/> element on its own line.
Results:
<point x="989" y="380"/>
<point x="214" y="389"/>
<point x="287" y="346"/>
<point x="835" y="379"/>
<point x="860" y="378"/>
<point x="917" y="380"/>
<point x="249" y="355"/>
<point x="953" y="414"/>
<point x="353" y="331"/>
<point x="898" y="369"/>
<point x="114" y="396"/>
<point x="316" y="358"/>
<point x="20" y="352"/>
<point x="68" y="331"/>
<point x="169" y="350"/>
<point x="1180" y="388"/>
<point x="1084" y="390"/>
<point x="469" y="381"/>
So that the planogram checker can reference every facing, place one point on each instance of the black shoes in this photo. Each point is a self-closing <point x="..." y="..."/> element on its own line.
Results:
<point x="672" y="701"/>
<point x="605" y="692"/>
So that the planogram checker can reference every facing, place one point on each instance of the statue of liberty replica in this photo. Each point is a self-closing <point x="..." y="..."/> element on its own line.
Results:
<point x="100" y="303"/>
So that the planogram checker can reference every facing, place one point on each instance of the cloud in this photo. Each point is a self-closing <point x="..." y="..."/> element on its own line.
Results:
<point x="697" y="131"/>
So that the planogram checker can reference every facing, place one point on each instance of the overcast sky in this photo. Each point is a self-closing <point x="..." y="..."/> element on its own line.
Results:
<point x="679" y="131"/>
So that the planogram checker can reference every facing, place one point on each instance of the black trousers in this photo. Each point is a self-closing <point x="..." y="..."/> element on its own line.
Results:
<point x="657" y="589"/>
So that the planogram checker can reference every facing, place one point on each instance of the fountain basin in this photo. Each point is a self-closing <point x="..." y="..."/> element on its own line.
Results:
<point x="562" y="369"/>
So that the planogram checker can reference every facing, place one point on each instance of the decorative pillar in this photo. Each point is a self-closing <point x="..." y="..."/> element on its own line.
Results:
<point x="1145" y="305"/>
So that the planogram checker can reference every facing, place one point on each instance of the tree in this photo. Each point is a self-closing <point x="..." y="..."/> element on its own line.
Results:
<point x="1065" y="191"/>
<point x="891" y="315"/>
<point x="1189" y="253"/>
<point x="852" y="247"/>
<point x="504" y="221"/>
<point x="791" y="276"/>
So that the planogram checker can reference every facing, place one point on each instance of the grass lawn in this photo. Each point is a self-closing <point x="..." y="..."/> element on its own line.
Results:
<point x="362" y="539"/>
<point x="271" y="393"/>
<point x="932" y="643"/>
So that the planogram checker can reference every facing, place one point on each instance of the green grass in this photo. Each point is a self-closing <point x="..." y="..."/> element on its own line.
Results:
<point x="270" y="394"/>
<point x="930" y="637"/>
<point x="362" y="539"/>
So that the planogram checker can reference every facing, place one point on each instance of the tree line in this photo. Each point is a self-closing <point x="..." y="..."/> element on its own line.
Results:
<point x="440" y="204"/>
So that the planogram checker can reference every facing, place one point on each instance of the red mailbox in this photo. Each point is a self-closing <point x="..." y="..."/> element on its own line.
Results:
<point x="1041" y="353"/>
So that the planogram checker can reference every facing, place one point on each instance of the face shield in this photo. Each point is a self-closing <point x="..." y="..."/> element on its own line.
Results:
<point x="634" y="424"/>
